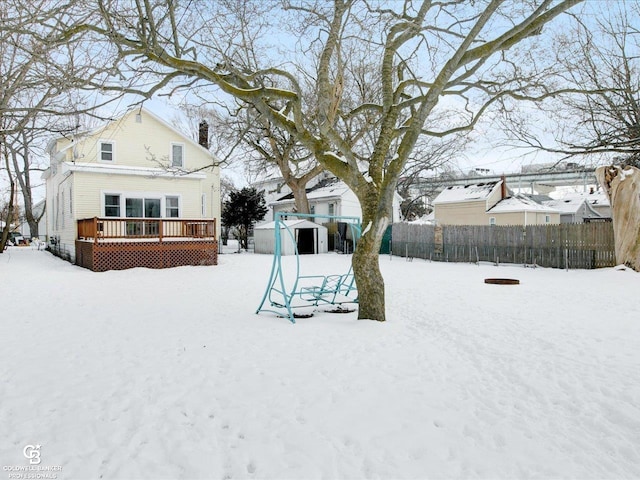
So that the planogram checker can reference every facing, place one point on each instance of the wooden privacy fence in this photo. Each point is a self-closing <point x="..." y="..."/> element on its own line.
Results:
<point x="568" y="245"/>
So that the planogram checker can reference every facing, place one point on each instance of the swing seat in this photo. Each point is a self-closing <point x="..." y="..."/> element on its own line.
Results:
<point x="308" y="290"/>
<point x="331" y="289"/>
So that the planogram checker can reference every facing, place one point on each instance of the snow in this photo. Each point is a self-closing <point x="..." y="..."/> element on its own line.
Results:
<point x="625" y="172"/>
<point x="520" y="203"/>
<point x="597" y="198"/>
<point x="460" y="193"/>
<point x="335" y="155"/>
<point x="566" y="205"/>
<point x="170" y="374"/>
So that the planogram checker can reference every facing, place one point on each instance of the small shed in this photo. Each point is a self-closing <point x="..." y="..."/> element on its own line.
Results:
<point x="310" y="237"/>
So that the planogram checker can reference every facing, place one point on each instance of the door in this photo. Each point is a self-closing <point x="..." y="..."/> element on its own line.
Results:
<point x="133" y="209"/>
<point x="140" y="208"/>
<point x="306" y="240"/>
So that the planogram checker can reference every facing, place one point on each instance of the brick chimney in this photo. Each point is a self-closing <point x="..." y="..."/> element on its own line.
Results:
<point x="203" y="134"/>
<point x="503" y="187"/>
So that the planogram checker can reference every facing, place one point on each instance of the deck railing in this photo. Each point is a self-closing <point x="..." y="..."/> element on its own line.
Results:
<point x="145" y="228"/>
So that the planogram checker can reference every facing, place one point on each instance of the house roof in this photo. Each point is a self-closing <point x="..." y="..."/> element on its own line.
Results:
<point x="466" y="193"/>
<point x="566" y="205"/>
<point x="289" y="224"/>
<point x="593" y="199"/>
<point x="520" y="203"/>
<point x="335" y="189"/>
<point x="132" y="111"/>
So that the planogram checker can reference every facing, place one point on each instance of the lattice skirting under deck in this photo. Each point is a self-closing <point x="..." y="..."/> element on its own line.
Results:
<point x="100" y="257"/>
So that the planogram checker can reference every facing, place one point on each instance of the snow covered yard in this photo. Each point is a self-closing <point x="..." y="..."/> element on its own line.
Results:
<point x="170" y="374"/>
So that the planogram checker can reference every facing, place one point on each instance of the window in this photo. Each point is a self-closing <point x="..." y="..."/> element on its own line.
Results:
<point x="177" y="155"/>
<point x="203" y="205"/>
<point x="547" y="219"/>
<point x="152" y="208"/>
<point x="312" y="211"/>
<point x="332" y="211"/>
<point x="133" y="207"/>
<point x="112" y="205"/>
<point x="172" y="207"/>
<point x="71" y="200"/>
<point x="106" y="151"/>
<point x="142" y="208"/>
<point x="492" y="220"/>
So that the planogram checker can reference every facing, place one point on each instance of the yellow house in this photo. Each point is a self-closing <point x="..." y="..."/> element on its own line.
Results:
<point x="134" y="192"/>
<point x="489" y="203"/>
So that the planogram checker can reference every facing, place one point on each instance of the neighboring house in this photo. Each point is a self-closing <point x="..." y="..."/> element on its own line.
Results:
<point x="331" y="197"/>
<point x="573" y="209"/>
<point x="38" y="208"/>
<point x="489" y="203"/>
<point x="275" y="188"/>
<point x="598" y="201"/>
<point x="121" y="196"/>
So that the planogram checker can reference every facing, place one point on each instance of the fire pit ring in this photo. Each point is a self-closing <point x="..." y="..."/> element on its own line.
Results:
<point x="502" y="281"/>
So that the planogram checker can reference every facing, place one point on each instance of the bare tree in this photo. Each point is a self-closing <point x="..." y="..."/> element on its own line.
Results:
<point x="24" y="146"/>
<point x="40" y="87"/>
<point x="7" y="213"/>
<point x="428" y="56"/>
<point x="598" y="114"/>
<point x="263" y="147"/>
<point x="431" y="157"/>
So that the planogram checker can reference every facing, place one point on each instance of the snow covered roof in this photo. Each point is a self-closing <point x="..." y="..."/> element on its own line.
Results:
<point x="593" y="199"/>
<point x="299" y="223"/>
<point x="520" y="203"/>
<point x="334" y="190"/>
<point x="466" y="193"/>
<point x="565" y="205"/>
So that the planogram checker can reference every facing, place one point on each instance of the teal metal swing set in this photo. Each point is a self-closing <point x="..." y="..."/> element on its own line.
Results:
<point x="306" y="290"/>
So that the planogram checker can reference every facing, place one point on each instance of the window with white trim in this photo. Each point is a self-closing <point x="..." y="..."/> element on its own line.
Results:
<point x="492" y="220"/>
<point x="203" y="204"/>
<point x="177" y="155"/>
<point x="547" y="219"/>
<point x="111" y="205"/>
<point x="107" y="150"/>
<point x="172" y="207"/>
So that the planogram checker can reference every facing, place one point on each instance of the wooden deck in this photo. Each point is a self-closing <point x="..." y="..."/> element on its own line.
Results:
<point x="120" y="243"/>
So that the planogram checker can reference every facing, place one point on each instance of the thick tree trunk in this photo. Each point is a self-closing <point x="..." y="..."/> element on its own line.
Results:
<point x="10" y="208"/>
<point x="33" y="226"/>
<point x="300" y="198"/>
<point x="622" y="185"/>
<point x="366" y="268"/>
